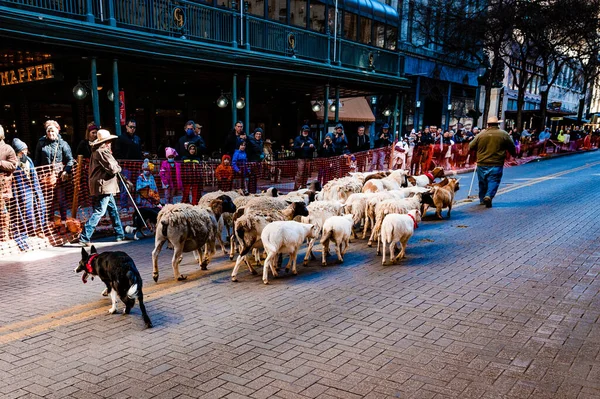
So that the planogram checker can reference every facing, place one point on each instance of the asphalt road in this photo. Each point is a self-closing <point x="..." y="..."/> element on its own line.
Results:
<point x="500" y="302"/>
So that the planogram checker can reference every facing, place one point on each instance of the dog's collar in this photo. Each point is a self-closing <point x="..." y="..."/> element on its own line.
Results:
<point x="88" y="265"/>
<point x="414" y="220"/>
<point x="429" y="176"/>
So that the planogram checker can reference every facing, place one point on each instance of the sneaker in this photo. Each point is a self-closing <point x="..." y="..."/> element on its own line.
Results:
<point x="119" y="239"/>
<point x="84" y="243"/>
<point x="487" y="201"/>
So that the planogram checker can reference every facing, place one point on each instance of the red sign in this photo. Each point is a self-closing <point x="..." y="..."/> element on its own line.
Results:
<point x="122" y="107"/>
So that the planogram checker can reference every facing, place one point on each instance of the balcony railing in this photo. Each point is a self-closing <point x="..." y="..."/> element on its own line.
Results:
<point x="283" y="39"/>
<point x="202" y="23"/>
<point x="356" y="55"/>
<point x="66" y="8"/>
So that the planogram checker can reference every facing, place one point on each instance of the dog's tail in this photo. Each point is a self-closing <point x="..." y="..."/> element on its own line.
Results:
<point x="133" y="291"/>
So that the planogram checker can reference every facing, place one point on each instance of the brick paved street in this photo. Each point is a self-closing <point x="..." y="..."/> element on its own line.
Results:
<point x="495" y="303"/>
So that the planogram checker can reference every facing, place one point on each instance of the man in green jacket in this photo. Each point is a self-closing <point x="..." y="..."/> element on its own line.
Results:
<point x="104" y="185"/>
<point x="491" y="146"/>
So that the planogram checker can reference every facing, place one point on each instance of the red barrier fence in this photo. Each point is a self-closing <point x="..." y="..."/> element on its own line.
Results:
<point x="42" y="211"/>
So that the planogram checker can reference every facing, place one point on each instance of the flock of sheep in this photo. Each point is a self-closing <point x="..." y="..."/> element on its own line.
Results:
<point x="389" y="204"/>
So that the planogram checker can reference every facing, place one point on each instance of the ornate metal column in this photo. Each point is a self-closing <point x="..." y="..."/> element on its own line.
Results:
<point x="95" y="102"/>
<point x="117" y="97"/>
<point x="247" y="109"/>
<point x="234" y="117"/>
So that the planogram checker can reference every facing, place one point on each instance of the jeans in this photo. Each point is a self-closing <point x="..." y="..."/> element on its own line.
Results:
<point x="124" y="197"/>
<point x="489" y="180"/>
<point x="100" y="204"/>
<point x="302" y="174"/>
<point x="377" y="163"/>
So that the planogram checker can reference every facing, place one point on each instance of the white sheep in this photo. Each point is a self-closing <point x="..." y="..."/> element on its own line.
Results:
<point x="426" y="178"/>
<point x="285" y="237"/>
<point x="392" y="206"/>
<point x="356" y="204"/>
<point x="376" y="198"/>
<point x="398" y="228"/>
<point x="394" y="181"/>
<point x="337" y="229"/>
<point x="259" y="204"/>
<point x="249" y="227"/>
<point x="340" y="189"/>
<point x="318" y="213"/>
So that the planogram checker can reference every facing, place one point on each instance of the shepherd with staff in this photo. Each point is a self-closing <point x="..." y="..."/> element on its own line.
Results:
<point x="103" y="184"/>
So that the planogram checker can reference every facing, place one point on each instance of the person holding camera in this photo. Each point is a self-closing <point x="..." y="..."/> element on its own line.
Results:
<point x="304" y="147"/>
<point x="325" y="166"/>
<point x="383" y="141"/>
<point x="340" y="143"/>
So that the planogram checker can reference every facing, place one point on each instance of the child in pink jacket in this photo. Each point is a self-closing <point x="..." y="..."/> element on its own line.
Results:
<point x="170" y="174"/>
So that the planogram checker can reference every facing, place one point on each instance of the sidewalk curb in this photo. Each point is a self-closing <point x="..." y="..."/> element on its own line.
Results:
<point x="538" y="159"/>
<point x="564" y="154"/>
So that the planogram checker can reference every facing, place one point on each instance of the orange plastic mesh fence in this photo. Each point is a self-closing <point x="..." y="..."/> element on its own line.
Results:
<point x="41" y="210"/>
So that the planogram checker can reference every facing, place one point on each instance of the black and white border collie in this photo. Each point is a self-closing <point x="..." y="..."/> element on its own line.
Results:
<point x="117" y="270"/>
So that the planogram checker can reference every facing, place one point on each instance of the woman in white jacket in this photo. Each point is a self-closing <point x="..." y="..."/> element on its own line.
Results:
<point x="401" y="149"/>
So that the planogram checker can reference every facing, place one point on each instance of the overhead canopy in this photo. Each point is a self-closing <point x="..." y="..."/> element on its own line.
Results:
<point x="573" y="118"/>
<point x="354" y="109"/>
<point x="372" y="9"/>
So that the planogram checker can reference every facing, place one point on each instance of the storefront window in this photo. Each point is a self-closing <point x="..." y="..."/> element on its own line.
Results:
<point x="278" y="10"/>
<point x="256" y="7"/>
<point x="379" y="34"/>
<point x="298" y="13"/>
<point x="350" y="25"/>
<point x="365" y="30"/>
<point x="391" y="39"/>
<point x="317" y="17"/>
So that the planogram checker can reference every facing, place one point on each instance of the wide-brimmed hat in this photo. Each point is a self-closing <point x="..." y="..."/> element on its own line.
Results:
<point x="103" y="136"/>
<point x="268" y="141"/>
<point x="493" y="120"/>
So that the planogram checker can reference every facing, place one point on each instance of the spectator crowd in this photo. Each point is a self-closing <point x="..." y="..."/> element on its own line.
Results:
<point x="37" y="185"/>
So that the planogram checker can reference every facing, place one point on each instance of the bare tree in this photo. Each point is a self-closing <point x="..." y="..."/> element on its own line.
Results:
<point x="471" y="30"/>
<point x="534" y="39"/>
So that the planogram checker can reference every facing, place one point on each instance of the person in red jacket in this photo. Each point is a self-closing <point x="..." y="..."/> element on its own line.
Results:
<point x="224" y="174"/>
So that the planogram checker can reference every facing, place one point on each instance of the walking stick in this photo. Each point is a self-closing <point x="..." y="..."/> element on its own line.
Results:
<point x="471" y="186"/>
<point x="132" y="201"/>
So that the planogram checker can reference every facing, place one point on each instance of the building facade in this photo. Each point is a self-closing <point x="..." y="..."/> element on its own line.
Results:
<point x="563" y="99"/>
<point x="164" y="62"/>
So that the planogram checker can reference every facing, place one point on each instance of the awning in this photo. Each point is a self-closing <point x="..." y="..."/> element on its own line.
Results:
<point x="371" y="9"/>
<point x="536" y="113"/>
<point x="574" y="119"/>
<point x="354" y="109"/>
